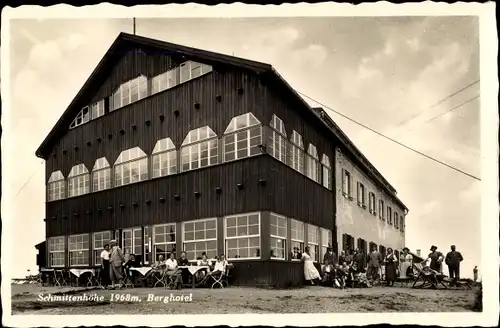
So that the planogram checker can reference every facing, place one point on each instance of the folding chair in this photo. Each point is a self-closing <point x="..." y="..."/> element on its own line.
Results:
<point x="59" y="278"/>
<point x="96" y="277"/>
<point x="127" y="281"/>
<point x="160" y="278"/>
<point x="90" y="278"/>
<point x="223" y="278"/>
<point x="429" y="278"/>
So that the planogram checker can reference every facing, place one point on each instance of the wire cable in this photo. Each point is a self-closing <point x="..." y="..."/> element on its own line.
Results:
<point x="27" y="182"/>
<point x="451" y="109"/>
<point x="392" y="140"/>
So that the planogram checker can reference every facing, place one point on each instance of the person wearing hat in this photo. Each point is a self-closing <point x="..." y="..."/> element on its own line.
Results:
<point x="329" y="261"/>
<point x="406" y="261"/>
<point x="436" y="258"/>
<point x="116" y="260"/>
<point x="453" y="260"/>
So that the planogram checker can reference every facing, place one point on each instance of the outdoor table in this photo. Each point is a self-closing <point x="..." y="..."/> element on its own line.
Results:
<point x="193" y="269"/>
<point x="79" y="272"/>
<point x="142" y="270"/>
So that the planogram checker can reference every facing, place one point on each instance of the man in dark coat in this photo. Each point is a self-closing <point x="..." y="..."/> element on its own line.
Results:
<point x="453" y="260"/>
<point x="360" y="259"/>
<point x="329" y="261"/>
<point x="374" y="260"/>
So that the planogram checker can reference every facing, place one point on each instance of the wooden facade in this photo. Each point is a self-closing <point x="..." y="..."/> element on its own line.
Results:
<point x="259" y="183"/>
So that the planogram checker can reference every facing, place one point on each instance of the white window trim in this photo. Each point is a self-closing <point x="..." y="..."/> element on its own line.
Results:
<point x="63" y="251"/>
<point x="56" y="177"/>
<point x="190" y="69"/>
<point x="238" y="237"/>
<point x="129" y="83"/>
<point x="328" y="231"/>
<point x="153" y="243"/>
<point x="101" y="107"/>
<point x="94" y="248"/>
<point x="85" y="118"/>
<point x="198" y="151"/>
<point x="317" y="241"/>
<point x="285" y="251"/>
<point x="298" y="240"/>
<point x="236" y="149"/>
<point x="97" y="172"/>
<point x="170" y="170"/>
<point x="77" y="250"/>
<point x="183" y="241"/>
<point x="163" y="78"/>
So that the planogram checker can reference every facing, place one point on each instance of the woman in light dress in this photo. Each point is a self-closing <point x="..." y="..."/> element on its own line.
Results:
<point x="406" y="263"/>
<point x="310" y="271"/>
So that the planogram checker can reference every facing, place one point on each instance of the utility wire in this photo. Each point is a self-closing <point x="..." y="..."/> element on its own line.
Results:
<point x="28" y="181"/>
<point x="436" y="104"/>
<point x="451" y="109"/>
<point x="392" y="140"/>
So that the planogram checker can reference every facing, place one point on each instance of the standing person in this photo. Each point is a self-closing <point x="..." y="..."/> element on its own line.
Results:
<point x="310" y="271"/>
<point x="374" y="260"/>
<point x="436" y="258"/>
<point x="475" y="274"/>
<point x="390" y="267"/>
<point x="360" y="259"/>
<point x="453" y="260"/>
<point x="406" y="263"/>
<point x="349" y="257"/>
<point x="105" y="266"/>
<point x="342" y="258"/>
<point x="329" y="261"/>
<point x="116" y="260"/>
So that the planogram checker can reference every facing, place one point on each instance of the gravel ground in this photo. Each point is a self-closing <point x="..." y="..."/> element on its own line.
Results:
<point x="25" y="300"/>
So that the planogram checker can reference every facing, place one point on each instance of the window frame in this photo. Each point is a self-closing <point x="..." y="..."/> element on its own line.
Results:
<point x="50" y="252"/>
<point x="74" y="178"/>
<point x="232" y="130"/>
<point x="170" y="152"/>
<point x="389" y="215"/>
<point x="347" y="179"/>
<point x="315" y="244"/>
<point x="313" y="165"/>
<point x="85" y="118"/>
<point x="278" y="139"/>
<point x="361" y="195"/>
<point x="204" y="68"/>
<point x="97" y="109"/>
<point x="297" y="152"/>
<point x="86" y="263"/>
<point x="154" y="243"/>
<point x="226" y="238"/>
<point x="164" y="78"/>
<point x="98" y="250"/>
<point x="56" y="179"/>
<point x="141" y="160"/>
<point x="277" y="237"/>
<point x="324" y="246"/>
<point x="326" y="176"/>
<point x="396" y="220"/>
<point x="210" y="140"/>
<point x="372" y="201"/>
<point x="141" y="81"/>
<point x="105" y="171"/>
<point x="302" y="242"/>
<point x="205" y="240"/>
<point x="381" y="209"/>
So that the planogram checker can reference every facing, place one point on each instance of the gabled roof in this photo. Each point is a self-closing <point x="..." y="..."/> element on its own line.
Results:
<point x="126" y="41"/>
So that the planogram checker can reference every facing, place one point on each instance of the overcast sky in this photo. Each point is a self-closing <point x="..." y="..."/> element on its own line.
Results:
<point x="379" y="71"/>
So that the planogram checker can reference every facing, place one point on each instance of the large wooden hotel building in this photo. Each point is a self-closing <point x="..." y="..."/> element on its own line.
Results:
<point x="168" y="148"/>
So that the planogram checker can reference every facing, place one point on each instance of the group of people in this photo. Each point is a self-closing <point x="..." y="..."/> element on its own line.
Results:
<point x="355" y="268"/>
<point x="115" y="268"/>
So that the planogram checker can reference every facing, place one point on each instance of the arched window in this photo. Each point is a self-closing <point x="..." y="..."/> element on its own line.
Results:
<point x="164" y="158"/>
<point x="130" y="91"/>
<point x="297" y="152"/>
<point x="277" y="144"/>
<point x="56" y="186"/>
<point x="78" y="181"/>
<point x="82" y="117"/>
<point x="327" y="171"/>
<point x="242" y="137"/>
<point x="131" y="166"/>
<point x="313" y="163"/>
<point x="199" y="149"/>
<point x="101" y="174"/>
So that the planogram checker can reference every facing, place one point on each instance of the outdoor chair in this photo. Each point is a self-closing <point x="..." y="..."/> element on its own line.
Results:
<point x="223" y="278"/>
<point x="429" y="278"/>
<point x="34" y="279"/>
<point x="60" y="278"/>
<point x="97" y="277"/>
<point x="159" y="276"/>
<point x="127" y="280"/>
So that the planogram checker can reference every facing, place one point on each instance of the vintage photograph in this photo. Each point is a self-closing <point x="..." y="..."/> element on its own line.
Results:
<point x="235" y="165"/>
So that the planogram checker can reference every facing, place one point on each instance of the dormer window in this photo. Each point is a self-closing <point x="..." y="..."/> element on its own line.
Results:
<point x="190" y="70"/>
<point x="130" y="92"/>
<point x="164" y="81"/>
<point x="81" y="118"/>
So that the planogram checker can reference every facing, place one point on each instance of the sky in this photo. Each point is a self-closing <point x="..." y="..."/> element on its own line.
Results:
<point x="378" y="71"/>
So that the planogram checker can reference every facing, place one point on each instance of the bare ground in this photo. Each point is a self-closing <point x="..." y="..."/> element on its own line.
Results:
<point x="246" y="300"/>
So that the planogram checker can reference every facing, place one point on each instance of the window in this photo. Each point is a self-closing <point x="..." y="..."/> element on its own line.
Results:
<point x="130" y="92"/>
<point x="347" y="242"/>
<point x="164" y="240"/>
<point x="101" y="175"/>
<point x="199" y="149"/>
<point x="327" y="171"/>
<point x="147" y="246"/>
<point x="164" y="158"/>
<point x="361" y="195"/>
<point x="131" y="166"/>
<point x="371" y="203"/>
<point x="78" y="250"/>
<point x="82" y="118"/>
<point x="190" y="69"/>
<point x="164" y="81"/>
<point x="402" y="223"/>
<point x="297" y="236"/>
<point x="56" y="186"/>
<point x="362" y="245"/>
<point x="97" y="109"/>
<point x="56" y="251"/>
<point x="100" y="239"/>
<point x="389" y="215"/>
<point x="313" y="241"/>
<point x="381" y="209"/>
<point x="278" y="236"/>
<point x="132" y="242"/>
<point x="243" y="236"/>
<point x="326" y="241"/>
<point x="277" y="144"/>
<point x="78" y="181"/>
<point x="198" y="237"/>
<point x="313" y="163"/>
<point x="242" y="137"/>
<point x="396" y="220"/>
<point x="297" y="152"/>
<point x="346" y="183"/>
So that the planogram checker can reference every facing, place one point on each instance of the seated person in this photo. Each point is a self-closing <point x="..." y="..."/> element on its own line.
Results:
<point x="173" y="272"/>
<point x="296" y="255"/>
<point x="346" y="269"/>
<point x="340" y="275"/>
<point x="160" y="264"/>
<point x="131" y="263"/>
<point x="204" y="261"/>
<point x="219" y="268"/>
<point x="183" y="261"/>
<point x="328" y="266"/>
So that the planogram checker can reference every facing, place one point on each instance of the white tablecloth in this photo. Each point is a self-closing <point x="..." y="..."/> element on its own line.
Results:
<point x="193" y="268"/>
<point x="142" y="270"/>
<point x="79" y="272"/>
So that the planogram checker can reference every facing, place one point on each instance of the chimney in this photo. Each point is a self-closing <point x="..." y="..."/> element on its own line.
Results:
<point x="418" y="253"/>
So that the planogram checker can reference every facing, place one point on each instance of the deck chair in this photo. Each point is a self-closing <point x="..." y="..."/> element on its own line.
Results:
<point x="429" y="278"/>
